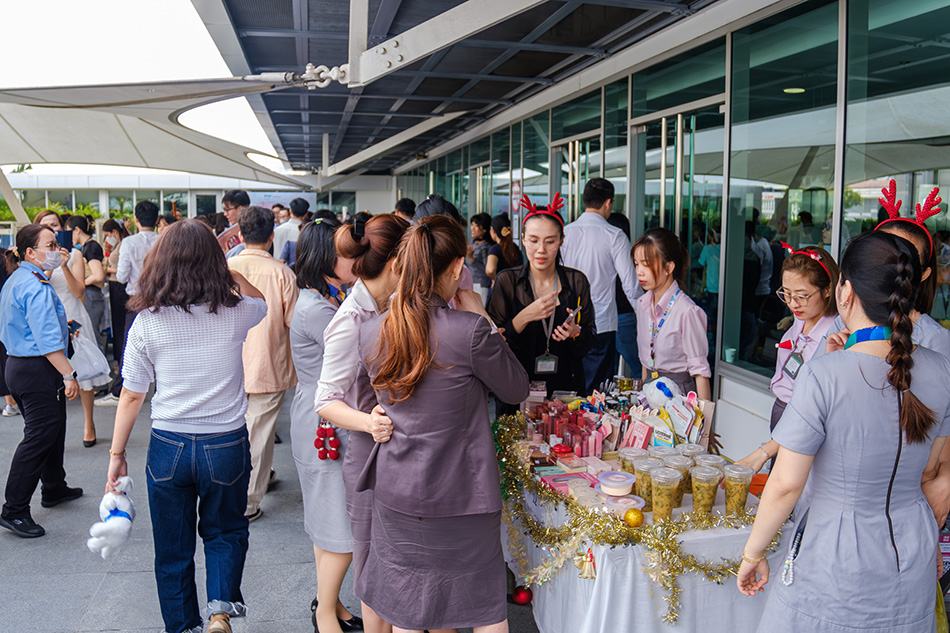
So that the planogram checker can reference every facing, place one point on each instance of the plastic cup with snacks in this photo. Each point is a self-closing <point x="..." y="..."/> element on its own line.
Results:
<point x="705" y="484"/>
<point x="662" y="451"/>
<point x="643" y="466"/>
<point x="682" y="464"/>
<point x="716" y="461"/>
<point x="738" y="478"/>
<point x="628" y="455"/>
<point x="666" y="482"/>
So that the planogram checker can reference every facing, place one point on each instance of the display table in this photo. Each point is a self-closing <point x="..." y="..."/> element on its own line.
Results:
<point x="624" y="599"/>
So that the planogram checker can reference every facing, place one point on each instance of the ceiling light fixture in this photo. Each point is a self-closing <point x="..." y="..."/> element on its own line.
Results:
<point x="793" y="91"/>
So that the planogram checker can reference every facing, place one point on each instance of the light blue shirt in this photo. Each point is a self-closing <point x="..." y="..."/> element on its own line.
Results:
<point x="32" y="318"/>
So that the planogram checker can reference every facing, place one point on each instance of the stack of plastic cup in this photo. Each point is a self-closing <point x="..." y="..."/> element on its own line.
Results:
<point x="705" y="484"/>
<point x="682" y="464"/>
<point x="644" y="484"/>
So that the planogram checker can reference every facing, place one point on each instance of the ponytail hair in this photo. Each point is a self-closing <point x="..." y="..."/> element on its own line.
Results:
<point x="659" y="247"/>
<point x="404" y="353"/>
<point x="884" y="270"/>
<point x="502" y="226"/>
<point x="371" y="244"/>
<point x="917" y="235"/>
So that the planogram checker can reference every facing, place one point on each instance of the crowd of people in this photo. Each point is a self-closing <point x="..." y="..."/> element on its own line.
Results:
<point x="395" y="329"/>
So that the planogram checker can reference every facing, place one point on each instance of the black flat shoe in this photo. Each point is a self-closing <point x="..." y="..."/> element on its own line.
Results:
<point x="89" y="443"/>
<point x="68" y="495"/>
<point x="353" y="624"/>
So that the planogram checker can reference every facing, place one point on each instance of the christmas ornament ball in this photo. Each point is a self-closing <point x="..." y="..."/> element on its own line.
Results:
<point x="522" y="595"/>
<point x="633" y="517"/>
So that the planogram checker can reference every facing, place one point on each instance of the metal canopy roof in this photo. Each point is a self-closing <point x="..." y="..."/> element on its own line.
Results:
<point x="480" y="75"/>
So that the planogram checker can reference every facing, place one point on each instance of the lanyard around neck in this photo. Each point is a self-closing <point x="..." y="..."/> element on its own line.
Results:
<point x="547" y="325"/>
<point x="876" y="333"/>
<point x="655" y="327"/>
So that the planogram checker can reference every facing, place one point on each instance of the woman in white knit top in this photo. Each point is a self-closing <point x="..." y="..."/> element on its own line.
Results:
<point x="193" y="316"/>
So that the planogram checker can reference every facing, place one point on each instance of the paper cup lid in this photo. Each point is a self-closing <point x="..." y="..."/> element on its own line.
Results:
<point x="616" y="478"/>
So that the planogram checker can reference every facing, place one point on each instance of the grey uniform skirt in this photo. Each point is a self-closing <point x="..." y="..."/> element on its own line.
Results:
<point x="435" y="573"/>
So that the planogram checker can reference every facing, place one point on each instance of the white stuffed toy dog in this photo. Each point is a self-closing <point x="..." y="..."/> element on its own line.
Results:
<point x="117" y="514"/>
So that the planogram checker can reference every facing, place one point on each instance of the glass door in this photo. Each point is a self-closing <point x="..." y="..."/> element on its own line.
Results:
<point x="481" y="184"/>
<point x="575" y="162"/>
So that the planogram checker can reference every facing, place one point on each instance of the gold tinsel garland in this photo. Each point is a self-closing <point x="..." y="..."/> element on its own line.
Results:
<point x="665" y="559"/>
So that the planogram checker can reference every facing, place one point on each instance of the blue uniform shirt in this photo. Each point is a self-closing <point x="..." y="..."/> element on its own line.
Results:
<point x="32" y="318"/>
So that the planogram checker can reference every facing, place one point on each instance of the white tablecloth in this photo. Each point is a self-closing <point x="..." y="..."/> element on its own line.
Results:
<point x="623" y="599"/>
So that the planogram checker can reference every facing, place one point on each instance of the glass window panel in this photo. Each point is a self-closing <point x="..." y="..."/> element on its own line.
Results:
<point x="782" y="167"/>
<point x="615" y="141"/>
<point x="33" y="199"/>
<point x="88" y="201"/>
<point x="896" y="66"/>
<point x="501" y="172"/>
<point x="120" y="203"/>
<point x="148" y="194"/>
<point x="341" y="199"/>
<point x="576" y="117"/>
<point x="323" y="200"/>
<point x="480" y="151"/>
<point x="695" y="74"/>
<point x="175" y="202"/>
<point x="61" y="200"/>
<point x="457" y="179"/>
<point x="537" y="158"/>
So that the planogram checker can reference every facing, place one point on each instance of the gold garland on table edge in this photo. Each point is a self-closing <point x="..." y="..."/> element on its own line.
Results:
<point x="666" y="560"/>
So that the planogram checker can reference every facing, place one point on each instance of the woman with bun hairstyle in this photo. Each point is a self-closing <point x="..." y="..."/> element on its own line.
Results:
<point x="809" y="279"/>
<point x="436" y="560"/>
<point x="864" y="427"/>
<point x="504" y="253"/>
<point x="671" y="329"/>
<point x="344" y="394"/>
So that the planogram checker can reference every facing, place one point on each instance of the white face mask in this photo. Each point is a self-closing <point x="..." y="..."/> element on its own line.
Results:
<point x="111" y="241"/>
<point x="54" y="259"/>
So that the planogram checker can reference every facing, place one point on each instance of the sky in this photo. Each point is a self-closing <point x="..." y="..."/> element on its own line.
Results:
<point x="69" y="42"/>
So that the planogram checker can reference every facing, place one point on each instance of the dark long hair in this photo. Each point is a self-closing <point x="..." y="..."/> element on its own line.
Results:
<point x="185" y="267"/>
<point x="884" y="270"/>
<point x="502" y="225"/>
<point x="371" y="244"/>
<point x="661" y="246"/>
<point x="917" y="235"/>
<point x="316" y="255"/>
<point x="405" y="351"/>
<point x="483" y="220"/>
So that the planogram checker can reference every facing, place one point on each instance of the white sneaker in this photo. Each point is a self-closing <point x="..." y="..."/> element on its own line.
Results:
<point x="10" y="410"/>
<point x="107" y="401"/>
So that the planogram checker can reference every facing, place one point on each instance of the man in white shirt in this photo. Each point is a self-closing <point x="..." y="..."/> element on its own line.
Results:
<point x="602" y="253"/>
<point x="131" y="258"/>
<point x="289" y="230"/>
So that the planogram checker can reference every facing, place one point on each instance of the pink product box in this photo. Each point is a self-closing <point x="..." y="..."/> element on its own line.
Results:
<point x="595" y="465"/>
<point x="559" y="482"/>
<point x="642" y="435"/>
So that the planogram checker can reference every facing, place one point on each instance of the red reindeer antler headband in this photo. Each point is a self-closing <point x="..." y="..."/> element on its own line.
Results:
<point x="893" y="206"/>
<point x="812" y="254"/>
<point x="557" y="203"/>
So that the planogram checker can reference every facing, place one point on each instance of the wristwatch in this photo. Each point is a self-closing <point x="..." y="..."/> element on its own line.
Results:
<point x="72" y="376"/>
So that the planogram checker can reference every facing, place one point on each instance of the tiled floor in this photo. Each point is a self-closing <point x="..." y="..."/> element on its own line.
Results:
<point x="54" y="583"/>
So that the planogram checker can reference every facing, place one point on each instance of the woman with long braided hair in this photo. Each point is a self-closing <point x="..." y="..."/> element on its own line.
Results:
<point x="864" y="427"/>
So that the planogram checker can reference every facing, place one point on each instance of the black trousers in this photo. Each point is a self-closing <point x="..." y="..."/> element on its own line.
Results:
<point x="4" y="391"/>
<point x="38" y="390"/>
<point x="117" y="383"/>
<point x="117" y="300"/>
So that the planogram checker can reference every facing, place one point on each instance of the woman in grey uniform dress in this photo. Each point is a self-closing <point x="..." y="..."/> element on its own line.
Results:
<point x="344" y="395"/>
<point x="864" y="435"/>
<point x="437" y="498"/>
<point x="320" y="275"/>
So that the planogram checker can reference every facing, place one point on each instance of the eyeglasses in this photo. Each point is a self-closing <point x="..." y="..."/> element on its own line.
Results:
<point x="796" y="299"/>
<point x="227" y="208"/>
<point x="51" y="246"/>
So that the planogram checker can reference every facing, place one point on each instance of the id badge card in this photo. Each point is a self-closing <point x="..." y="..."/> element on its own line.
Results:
<point x="793" y="364"/>
<point x="545" y="364"/>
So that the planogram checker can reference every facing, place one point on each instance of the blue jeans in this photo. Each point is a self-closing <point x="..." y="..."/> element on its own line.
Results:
<point x="627" y="342"/>
<point x="211" y="472"/>
<point x="600" y="364"/>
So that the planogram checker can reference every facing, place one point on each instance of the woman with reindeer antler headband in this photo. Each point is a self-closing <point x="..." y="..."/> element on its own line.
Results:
<point x="809" y="278"/>
<point x="927" y="332"/>
<point x="544" y="307"/>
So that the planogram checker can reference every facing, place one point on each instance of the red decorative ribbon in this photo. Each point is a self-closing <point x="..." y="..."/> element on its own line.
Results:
<point x="813" y="255"/>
